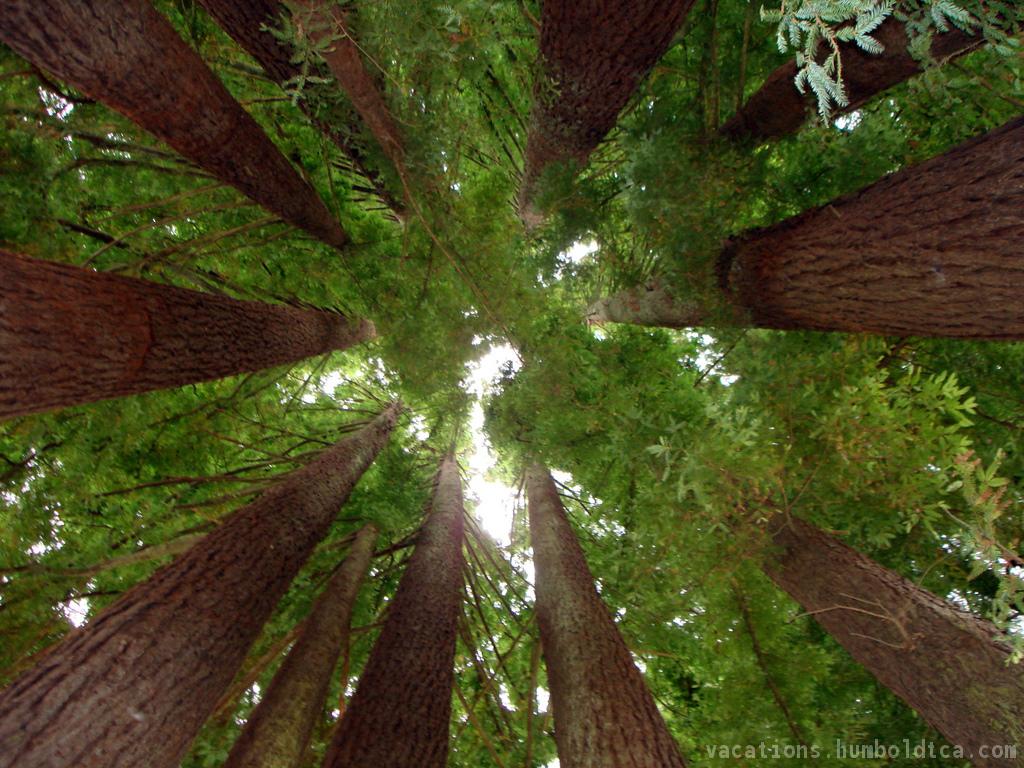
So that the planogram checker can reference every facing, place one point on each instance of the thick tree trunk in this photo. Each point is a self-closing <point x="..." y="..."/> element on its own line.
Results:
<point x="777" y="108"/>
<point x="279" y="729"/>
<point x="594" y="53"/>
<point x="647" y="304"/>
<point x="947" y="664"/>
<point x="134" y="686"/>
<point x="933" y="250"/>
<point x="70" y="335"/>
<point x="604" y="714"/>
<point x="128" y="56"/>
<point x="248" y="22"/>
<point x="399" y="715"/>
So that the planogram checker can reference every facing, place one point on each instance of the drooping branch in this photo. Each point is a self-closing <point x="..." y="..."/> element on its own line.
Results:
<point x="129" y="57"/>
<point x="135" y="686"/>
<point x="777" y="108"/>
<point x="70" y="335"/>
<point x="593" y="55"/>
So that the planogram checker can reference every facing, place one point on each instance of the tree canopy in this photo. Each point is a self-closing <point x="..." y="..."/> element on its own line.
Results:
<point x="416" y="127"/>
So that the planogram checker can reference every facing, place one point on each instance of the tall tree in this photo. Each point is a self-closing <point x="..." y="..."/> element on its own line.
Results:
<point x="129" y="57"/>
<point x="249" y="22"/>
<point x="777" y="108"/>
<point x="604" y="713"/>
<point x="929" y="251"/>
<point x="71" y="335"/>
<point x="949" y="665"/>
<point x="593" y="55"/>
<point x="134" y="687"/>
<point x="399" y="715"/>
<point x="278" y="730"/>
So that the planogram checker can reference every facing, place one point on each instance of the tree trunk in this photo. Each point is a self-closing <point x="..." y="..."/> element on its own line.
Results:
<point x="778" y="109"/>
<point x="647" y="304"/>
<point x="400" y="713"/>
<point x="248" y="22"/>
<point x="604" y="714"/>
<point x="279" y="729"/>
<point x="594" y="53"/>
<point x="134" y="686"/>
<point x="70" y="335"/>
<point x="947" y="664"/>
<point x="129" y="57"/>
<point x="933" y="250"/>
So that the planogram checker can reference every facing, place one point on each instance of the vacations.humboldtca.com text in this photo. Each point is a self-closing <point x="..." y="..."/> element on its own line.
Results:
<point x="874" y="750"/>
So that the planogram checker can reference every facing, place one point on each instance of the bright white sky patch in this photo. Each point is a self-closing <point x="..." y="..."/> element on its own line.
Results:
<point x="576" y="253"/>
<point x="495" y="502"/>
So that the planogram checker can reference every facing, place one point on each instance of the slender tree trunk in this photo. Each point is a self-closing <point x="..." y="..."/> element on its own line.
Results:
<point x="128" y="56"/>
<point x="947" y="664"/>
<point x="933" y="250"/>
<point x="604" y="714"/>
<point x="594" y="53"/>
<point x="248" y="23"/>
<point x="70" y="335"/>
<point x="279" y="729"/>
<point x="778" y="109"/>
<point x="400" y="713"/>
<point x="134" y="686"/>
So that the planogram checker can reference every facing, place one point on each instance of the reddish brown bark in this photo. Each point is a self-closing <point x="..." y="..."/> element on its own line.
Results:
<point x="604" y="714"/>
<point x="247" y="22"/>
<point x="777" y="108"/>
<point x="128" y="56"/>
<point x="135" y="685"/>
<point x="947" y="664"/>
<point x="594" y="53"/>
<point x="278" y="730"/>
<point x="933" y="250"/>
<point x="70" y="335"/>
<point x="399" y="715"/>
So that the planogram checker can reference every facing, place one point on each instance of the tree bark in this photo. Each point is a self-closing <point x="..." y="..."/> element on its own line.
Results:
<point x="604" y="714"/>
<point x="947" y="664"/>
<point x="135" y="685"/>
<point x="279" y="729"/>
<point x="933" y="250"/>
<point x="129" y="57"/>
<point x="400" y="713"/>
<point x="778" y="109"/>
<point x="70" y="335"/>
<point x="647" y="304"/>
<point x="246" y="22"/>
<point x="593" y="53"/>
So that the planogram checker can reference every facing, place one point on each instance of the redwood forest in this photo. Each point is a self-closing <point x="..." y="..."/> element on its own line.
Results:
<point x="511" y="384"/>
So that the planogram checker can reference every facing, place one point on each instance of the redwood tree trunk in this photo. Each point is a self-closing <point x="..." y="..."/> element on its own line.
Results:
<point x="278" y="730"/>
<point x="248" y="23"/>
<point x="594" y="53"/>
<point x="128" y="56"/>
<point x="933" y="250"/>
<point x="135" y="685"/>
<point x="604" y="715"/>
<point x="647" y="304"/>
<point x="947" y="664"/>
<point x="70" y="335"/>
<point x="778" y="108"/>
<point x="399" y="715"/>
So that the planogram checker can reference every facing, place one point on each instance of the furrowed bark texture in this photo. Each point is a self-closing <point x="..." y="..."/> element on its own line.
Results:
<point x="399" y="715"/>
<point x="947" y="664"/>
<point x="778" y="109"/>
<point x="135" y="685"/>
<point x="129" y="57"/>
<point x="647" y="304"/>
<point x="278" y="731"/>
<point x="70" y="335"/>
<point x="604" y="714"/>
<point x="244" y="21"/>
<point x="594" y="53"/>
<point x="933" y="250"/>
